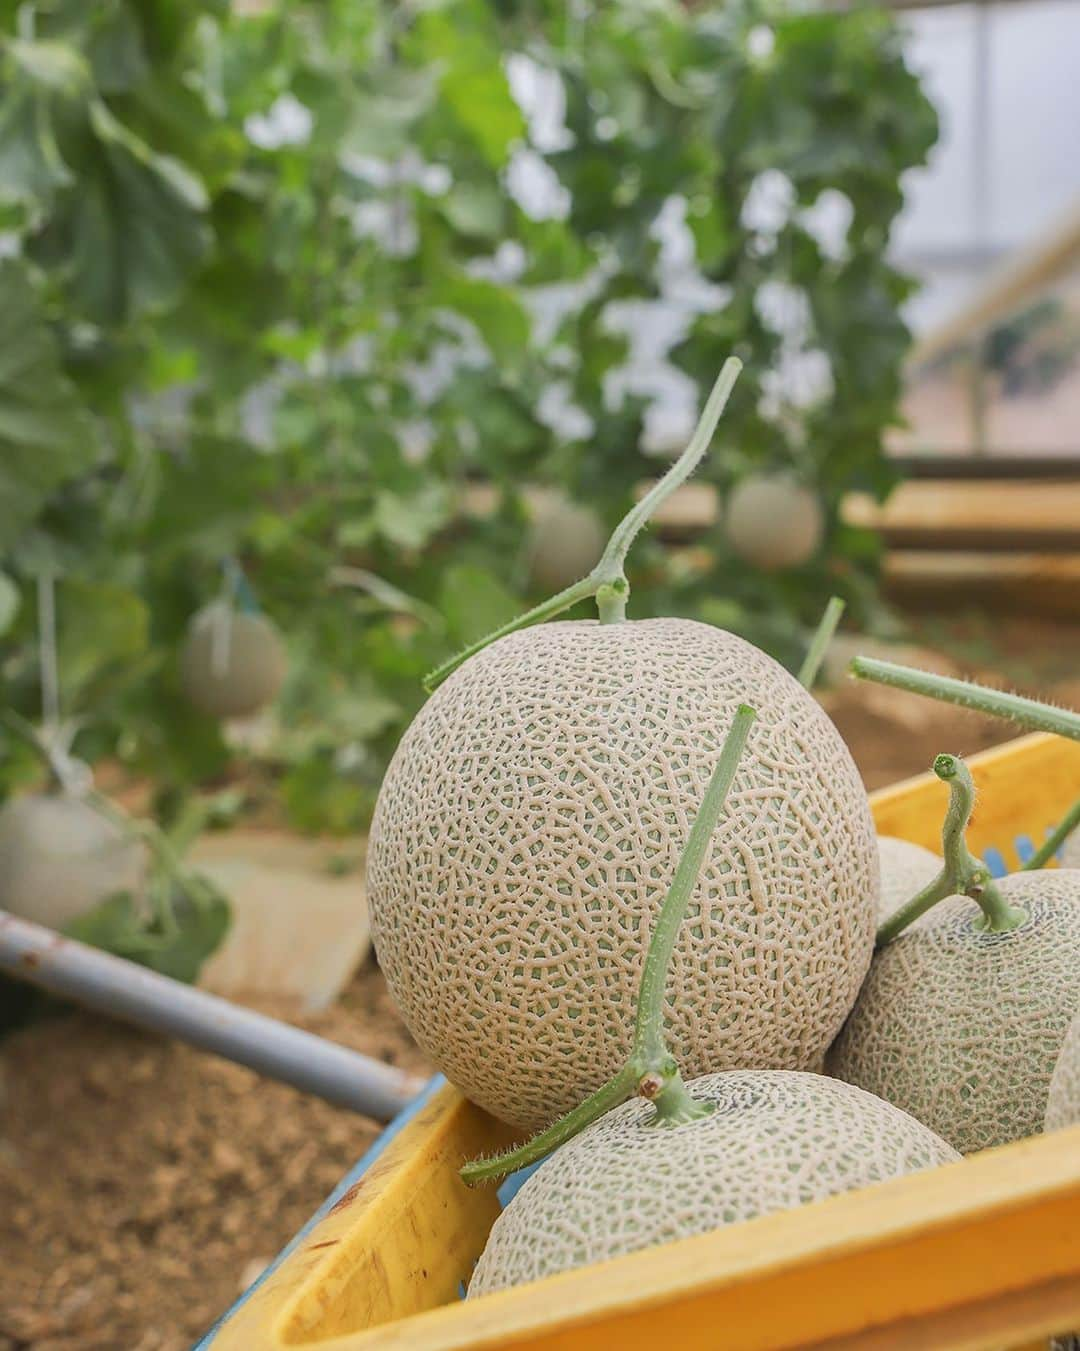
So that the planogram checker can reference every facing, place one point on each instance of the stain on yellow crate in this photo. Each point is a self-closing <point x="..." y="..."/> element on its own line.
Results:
<point x="981" y="1254"/>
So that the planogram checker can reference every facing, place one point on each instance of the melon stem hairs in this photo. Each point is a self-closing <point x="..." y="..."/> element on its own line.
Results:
<point x="651" y="1071"/>
<point x="1030" y="713"/>
<point x="962" y="874"/>
<point x="607" y="583"/>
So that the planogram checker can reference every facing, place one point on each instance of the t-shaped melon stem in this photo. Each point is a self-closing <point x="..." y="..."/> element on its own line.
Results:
<point x="607" y="583"/>
<point x="962" y="874"/>
<point x="651" y="1071"/>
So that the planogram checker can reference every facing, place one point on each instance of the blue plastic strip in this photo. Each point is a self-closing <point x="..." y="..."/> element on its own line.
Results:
<point x="354" y="1173"/>
<point x="515" y="1182"/>
<point x="995" y="862"/>
<point x="1024" y="847"/>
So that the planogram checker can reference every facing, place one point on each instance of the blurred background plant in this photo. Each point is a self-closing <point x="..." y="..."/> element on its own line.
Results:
<point x="313" y="293"/>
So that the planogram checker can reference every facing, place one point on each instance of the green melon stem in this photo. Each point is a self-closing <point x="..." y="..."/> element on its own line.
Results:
<point x="1030" y="713"/>
<point x="50" y="744"/>
<point x="819" y="645"/>
<point x="1055" y="839"/>
<point x="651" y="1070"/>
<point x="607" y="581"/>
<point x="962" y="873"/>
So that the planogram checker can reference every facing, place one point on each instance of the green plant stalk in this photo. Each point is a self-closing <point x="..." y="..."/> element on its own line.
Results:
<point x="607" y="581"/>
<point x="819" y="645"/>
<point x="651" y="1070"/>
<point x="962" y="874"/>
<point x="1031" y="713"/>
<point x="1055" y="839"/>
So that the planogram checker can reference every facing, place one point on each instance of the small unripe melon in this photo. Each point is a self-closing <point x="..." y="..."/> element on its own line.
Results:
<point x="59" y="858"/>
<point x="906" y="869"/>
<point x="962" y="1028"/>
<point x="777" y="1139"/>
<point x="1063" y="1100"/>
<point x="531" y="822"/>
<point x="565" y="543"/>
<point x="773" y="521"/>
<point x="233" y="663"/>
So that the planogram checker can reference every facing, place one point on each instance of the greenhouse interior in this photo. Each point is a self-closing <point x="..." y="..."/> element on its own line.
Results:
<point x="539" y="675"/>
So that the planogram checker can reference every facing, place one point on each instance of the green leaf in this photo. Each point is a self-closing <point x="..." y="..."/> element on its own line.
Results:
<point x="384" y="115"/>
<point x="499" y="317"/>
<point x="131" y="232"/>
<point x="461" y="43"/>
<point x="99" y="625"/>
<point x="320" y="800"/>
<point x="473" y="602"/>
<point x="410" y="520"/>
<point x="46" y="435"/>
<point x="201" y="916"/>
<point x="475" y="209"/>
<point x="112" y="924"/>
<point x="32" y="169"/>
<point x="9" y="602"/>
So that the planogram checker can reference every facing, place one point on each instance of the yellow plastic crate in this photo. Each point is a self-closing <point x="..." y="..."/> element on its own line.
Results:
<point x="984" y="1253"/>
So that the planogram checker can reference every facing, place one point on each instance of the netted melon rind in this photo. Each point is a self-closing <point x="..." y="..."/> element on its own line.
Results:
<point x="1063" y="1100"/>
<point x="530" y="824"/>
<point x="906" y="869"/>
<point x="777" y="1139"/>
<point x="963" y="1028"/>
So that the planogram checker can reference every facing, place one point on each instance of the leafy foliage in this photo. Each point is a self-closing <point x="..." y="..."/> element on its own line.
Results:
<point x="298" y="287"/>
<point x="199" y="921"/>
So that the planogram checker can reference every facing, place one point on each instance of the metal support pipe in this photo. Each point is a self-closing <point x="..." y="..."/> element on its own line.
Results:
<point x="111" y="985"/>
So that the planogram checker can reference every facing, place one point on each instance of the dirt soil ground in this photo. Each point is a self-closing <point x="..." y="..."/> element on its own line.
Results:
<point x="143" y="1185"/>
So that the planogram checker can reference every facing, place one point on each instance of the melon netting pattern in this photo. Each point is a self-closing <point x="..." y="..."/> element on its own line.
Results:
<point x="963" y="1028"/>
<point x="906" y="869"/>
<point x="777" y="1139"/>
<point x="1063" y="1100"/>
<point x="530" y="824"/>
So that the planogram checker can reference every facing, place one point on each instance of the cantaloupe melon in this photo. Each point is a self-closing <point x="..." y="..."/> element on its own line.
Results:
<point x="775" y="1140"/>
<point x="962" y="1027"/>
<point x="905" y="869"/>
<point x="59" y="857"/>
<point x="1063" y="1100"/>
<point x="528" y="827"/>
<point x="233" y="662"/>
<point x="773" y="521"/>
<point x="565" y="541"/>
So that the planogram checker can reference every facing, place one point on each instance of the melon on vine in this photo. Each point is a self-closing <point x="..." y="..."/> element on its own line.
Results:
<point x="694" y="1156"/>
<point x="60" y="857"/>
<point x="1063" y="1099"/>
<point x="565" y="542"/>
<point x="963" y="1015"/>
<point x="531" y="816"/>
<point x="774" y="521"/>
<point x="233" y="662"/>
